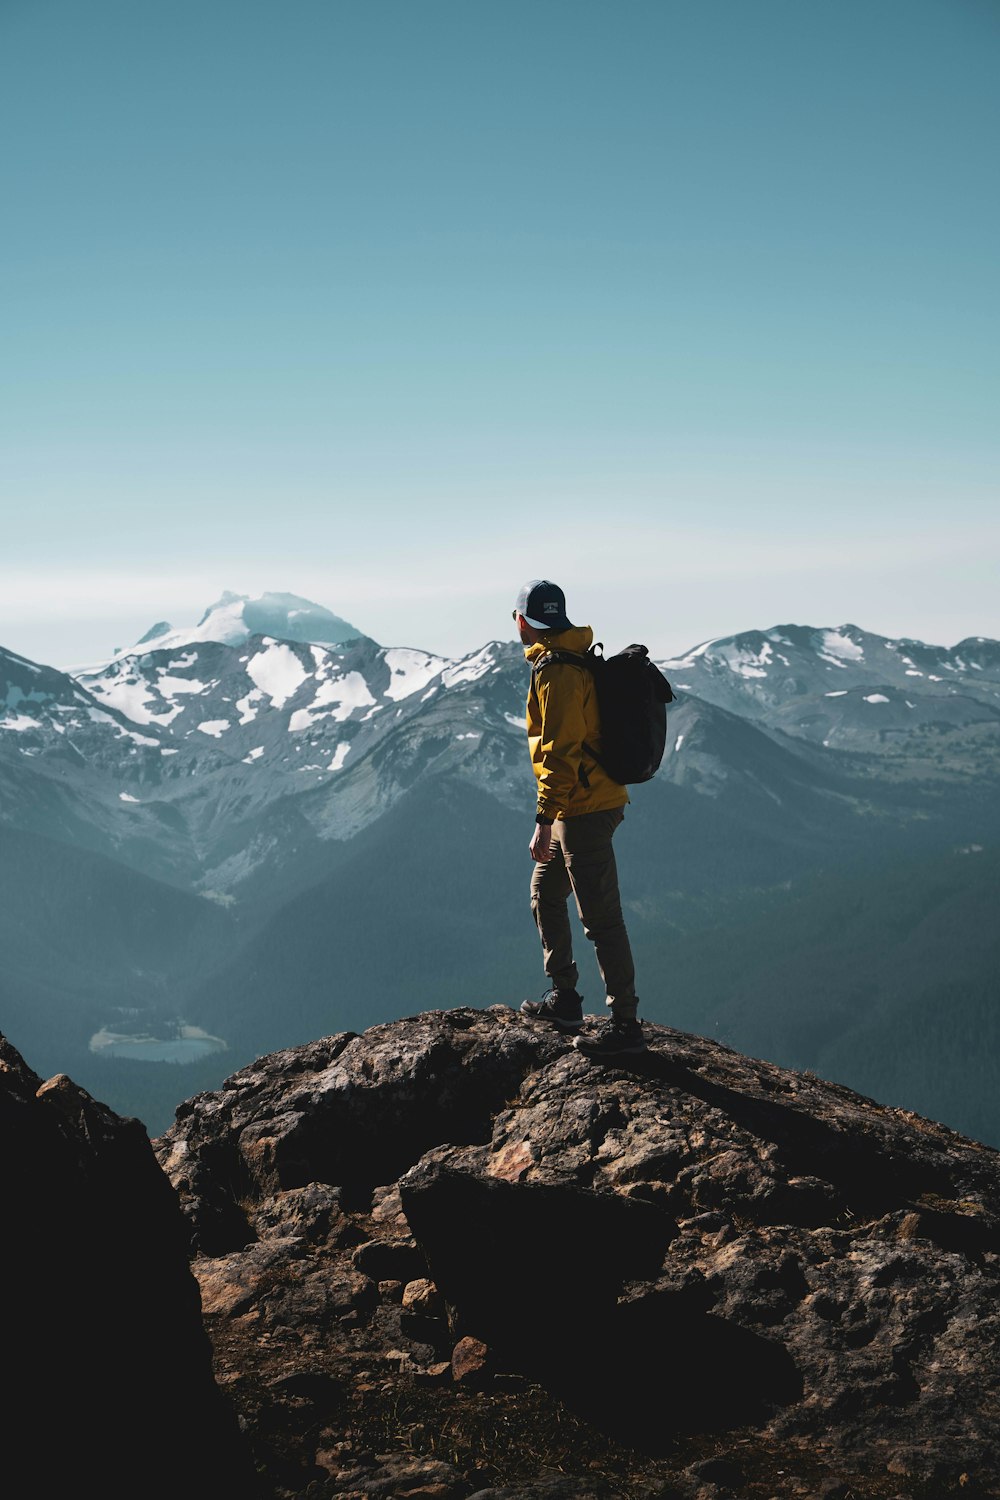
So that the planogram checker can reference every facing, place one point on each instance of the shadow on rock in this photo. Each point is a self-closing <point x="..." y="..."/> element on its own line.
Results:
<point x="537" y="1272"/>
<point x="666" y="1366"/>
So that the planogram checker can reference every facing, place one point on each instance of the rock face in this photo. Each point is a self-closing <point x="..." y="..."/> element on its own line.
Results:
<point x="109" y="1387"/>
<point x="452" y="1257"/>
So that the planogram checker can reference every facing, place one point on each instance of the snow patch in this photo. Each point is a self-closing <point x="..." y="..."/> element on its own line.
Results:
<point x="124" y="797"/>
<point x="131" y="698"/>
<point x="840" y="693"/>
<point x="470" y="670"/>
<point x="841" y="648"/>
<point x="20" y="721"/>
<point x="254" y="754"/>
<point x="410" y="671"/>
<point x="277" y="671"/>
<point x="748" y="663"/>
<point x="876" y="698"/>
<point x="96" y="716"/>
<point x="215" y="727"/>
<point x="339" y="756"/>
<point x="678" y="742"/>
<point x="171" y="686"/>
<point x="346" y="694"/>
<point x="247" y="712"/>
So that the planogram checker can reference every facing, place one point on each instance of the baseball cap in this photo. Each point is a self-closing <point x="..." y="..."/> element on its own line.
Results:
<point x="543" y="605"/>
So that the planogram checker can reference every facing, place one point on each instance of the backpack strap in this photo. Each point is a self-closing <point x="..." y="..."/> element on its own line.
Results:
<point x="593" y="755"/>
<point x="575" y="659"/>
<point x="571" y="658"/>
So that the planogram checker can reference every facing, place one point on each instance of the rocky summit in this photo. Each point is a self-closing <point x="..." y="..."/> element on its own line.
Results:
<point x="450" y="1257"/>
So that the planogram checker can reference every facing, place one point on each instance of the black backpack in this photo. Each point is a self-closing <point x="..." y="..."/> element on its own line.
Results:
<point x="632" y="697"/>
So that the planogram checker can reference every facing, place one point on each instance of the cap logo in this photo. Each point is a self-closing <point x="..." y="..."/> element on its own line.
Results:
<point x="550" y="607"/>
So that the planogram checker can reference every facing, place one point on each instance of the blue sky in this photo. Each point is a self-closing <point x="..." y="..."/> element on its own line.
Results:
<point x="396" y="303"/>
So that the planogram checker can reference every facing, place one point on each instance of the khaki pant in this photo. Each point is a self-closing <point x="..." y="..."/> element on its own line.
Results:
<point x="583" y="862"/>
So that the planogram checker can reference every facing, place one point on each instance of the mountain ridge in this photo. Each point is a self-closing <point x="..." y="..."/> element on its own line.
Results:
<point x="258" y="777"/>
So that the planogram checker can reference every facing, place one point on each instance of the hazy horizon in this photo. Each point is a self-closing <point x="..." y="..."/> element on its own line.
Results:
<point x="101" y="652"/>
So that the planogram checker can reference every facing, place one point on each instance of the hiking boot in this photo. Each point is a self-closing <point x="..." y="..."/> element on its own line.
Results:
<point x="562" y="1008"/>
<point x="612" y="1039"/>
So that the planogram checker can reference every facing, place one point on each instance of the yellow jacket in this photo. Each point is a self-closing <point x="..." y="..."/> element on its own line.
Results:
<point x="562" y="716"/>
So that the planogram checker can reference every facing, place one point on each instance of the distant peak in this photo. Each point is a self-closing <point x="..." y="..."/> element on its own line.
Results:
<point x="225" y="600"/>
<point x="162" y="627"/>
<point x="233" y="617"/>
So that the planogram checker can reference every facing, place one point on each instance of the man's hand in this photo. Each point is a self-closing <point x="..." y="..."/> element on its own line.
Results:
<point x="540" y="847"/>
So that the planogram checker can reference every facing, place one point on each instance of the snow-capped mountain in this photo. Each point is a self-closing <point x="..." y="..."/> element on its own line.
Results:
<point x="291" y="716"/>
<point x="218" y="732"/>
<point x="71" y="768"/>
<point x="187" y="741"/>
<point x="263" y="697"/>
<point x="844" y="687"/>
<point x="38" y="703"/>
<point x="234" y="618"/>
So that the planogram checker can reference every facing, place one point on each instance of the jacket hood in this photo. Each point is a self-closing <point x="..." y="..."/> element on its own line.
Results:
<point x="578" y="638"/>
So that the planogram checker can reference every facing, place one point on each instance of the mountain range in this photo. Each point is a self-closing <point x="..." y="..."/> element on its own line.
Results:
<point x="267" y="827"/>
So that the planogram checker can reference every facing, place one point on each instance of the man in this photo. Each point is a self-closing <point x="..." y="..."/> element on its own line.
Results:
<point x="579" y="808"/>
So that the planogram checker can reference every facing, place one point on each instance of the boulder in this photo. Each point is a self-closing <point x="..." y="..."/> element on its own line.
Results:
<point x="109" y="1386"/>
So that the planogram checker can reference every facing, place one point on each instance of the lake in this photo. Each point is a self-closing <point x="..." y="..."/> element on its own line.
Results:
<point x="189" y="1044"/>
